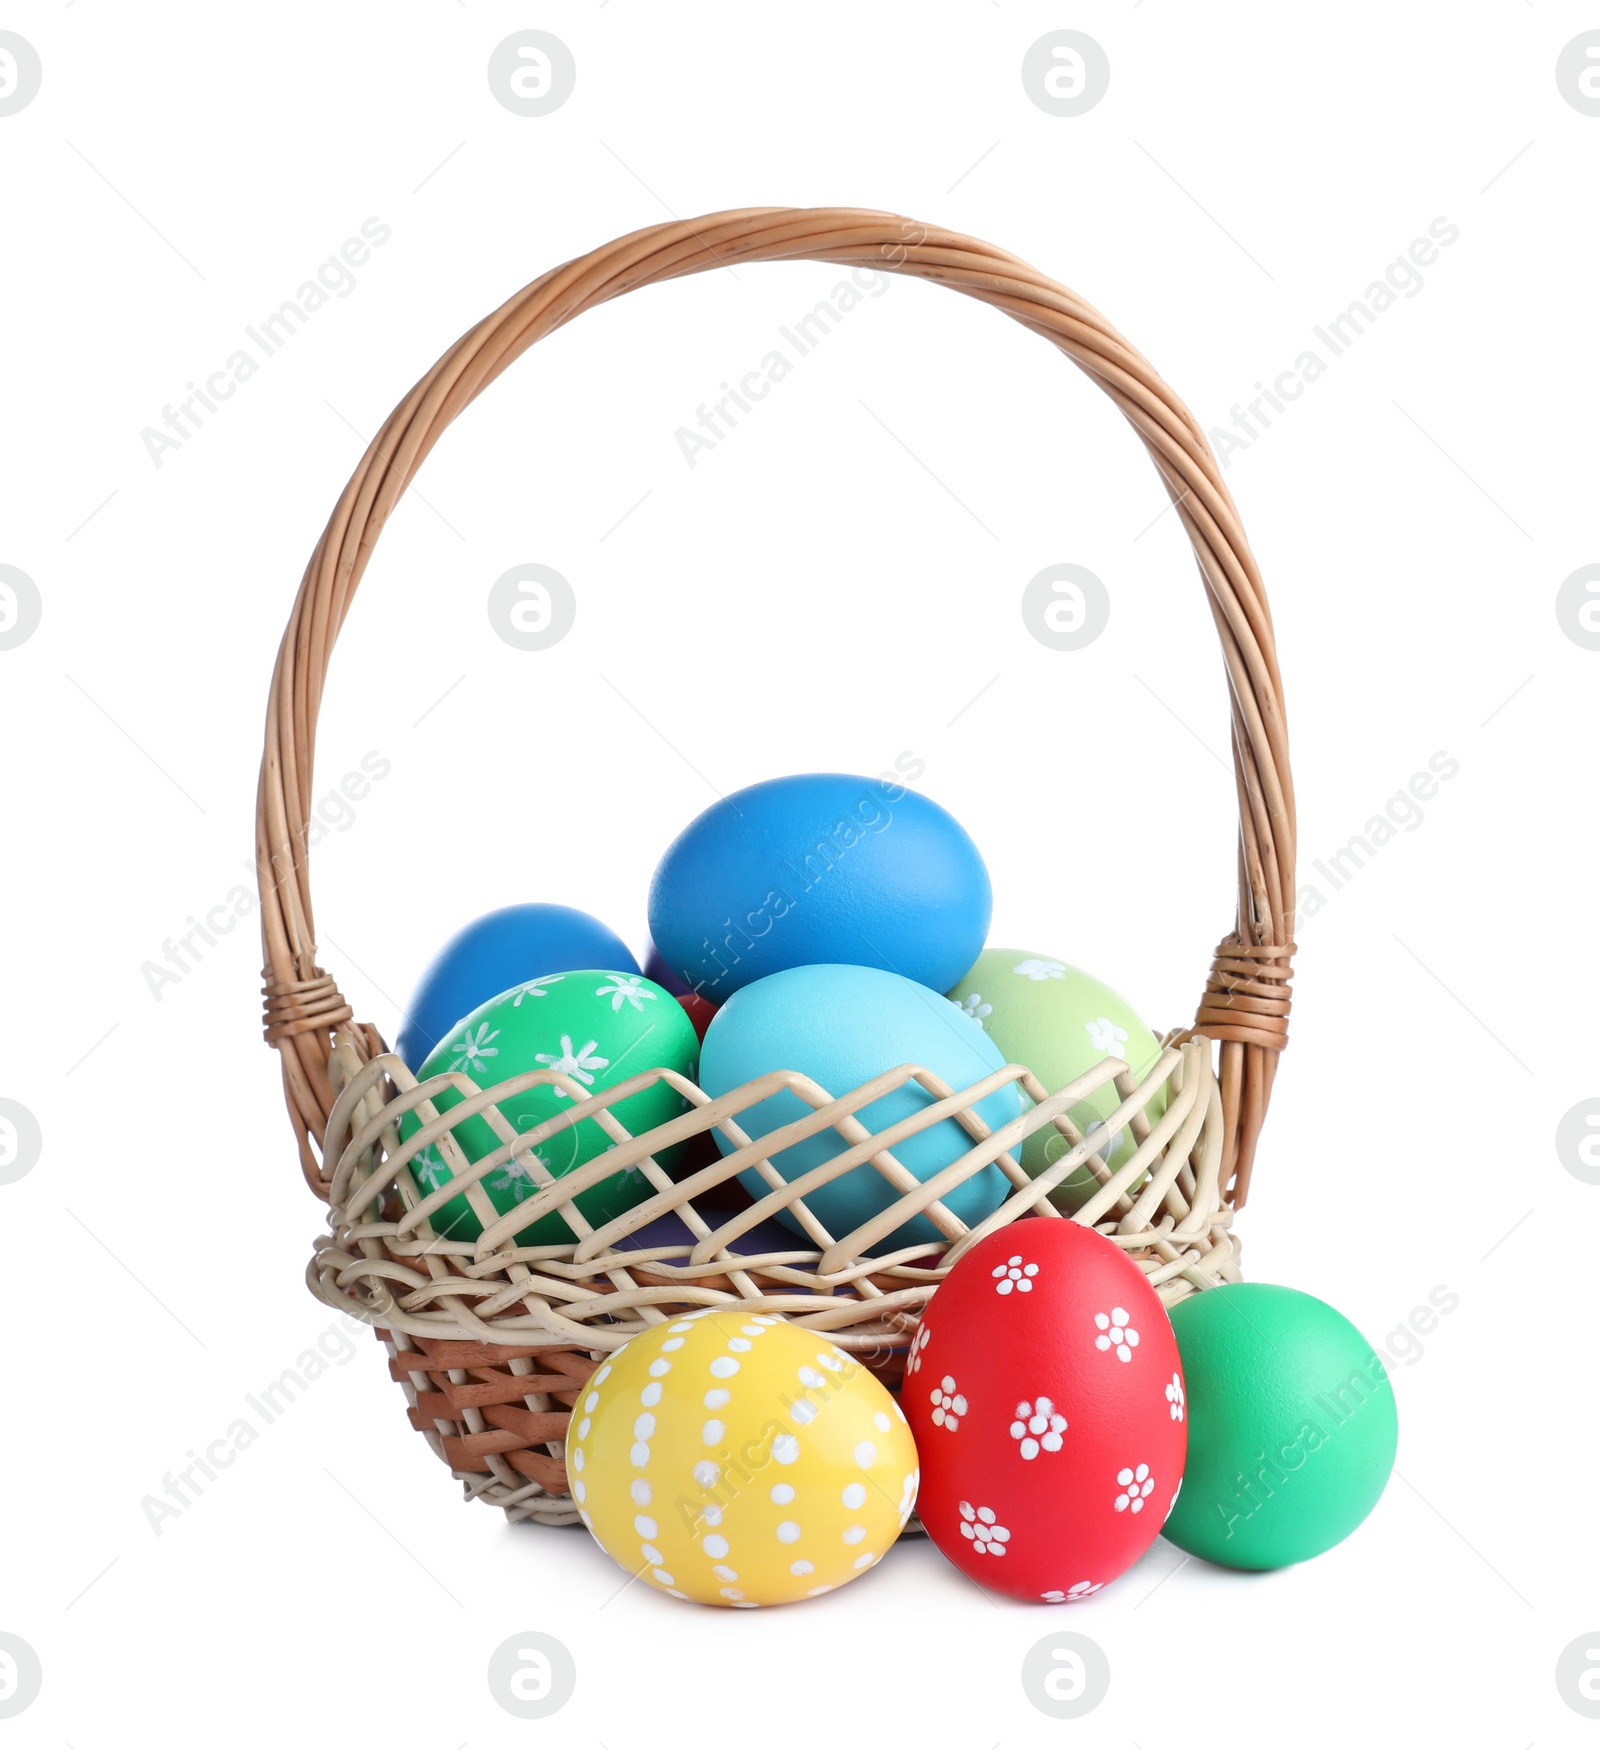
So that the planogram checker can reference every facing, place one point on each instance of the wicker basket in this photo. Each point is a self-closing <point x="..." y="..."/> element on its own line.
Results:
<point x="492" y="1342"/>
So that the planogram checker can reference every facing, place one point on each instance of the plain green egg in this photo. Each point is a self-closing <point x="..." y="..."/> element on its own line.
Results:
<point x="1292" y="1426"/>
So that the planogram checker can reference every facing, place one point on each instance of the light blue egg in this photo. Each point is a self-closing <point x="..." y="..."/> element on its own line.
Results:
<point x="841" y="1026"/>
<point x="815" y="869"/>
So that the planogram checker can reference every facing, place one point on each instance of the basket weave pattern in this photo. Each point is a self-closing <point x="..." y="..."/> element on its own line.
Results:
<point x="460" y="1315"/>
<point x="492" y="1341"/>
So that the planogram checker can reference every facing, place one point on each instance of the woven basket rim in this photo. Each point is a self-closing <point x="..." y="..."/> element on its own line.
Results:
<point x="1163" y="1203"/>
<point x="492" y="1339"/>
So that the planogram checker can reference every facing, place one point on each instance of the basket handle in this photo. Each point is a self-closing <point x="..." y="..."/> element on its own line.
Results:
<point x="1246" y="1002"/>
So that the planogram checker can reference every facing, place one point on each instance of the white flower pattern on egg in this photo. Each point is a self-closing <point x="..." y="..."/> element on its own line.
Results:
<point x="979" y="1528"/>
<point x="918" y="1344"/>
<point x="974" y="1007"/>
<point x="1039" y="970"/>
<point x="1110" y="1143"/>
<point x="1175" y="1399"/>
<point x="1014" y="1274"/>
<point x="516" y="1176"/>
<point x="536" y="987"/>
<point x="579" y="1064"/>
<point x="1038" y="1427"/>
<point x="623" y="987"/>
<point x="1116" y="1334"/>
<point x="1106" y="1036"/>
<point x="949" y="1406"/>
<point x="429" y="1168"/>
<point x="1135" y="1483"/>
<point x="473" y="1048"/>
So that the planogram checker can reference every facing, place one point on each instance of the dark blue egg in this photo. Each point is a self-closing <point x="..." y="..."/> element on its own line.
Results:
<point x="819" y="869"/>
<point x="659" y="972"/>
<point x="673" y="1230"/>
<point x="841" y="1026"/>
<point x="496" y="951"/>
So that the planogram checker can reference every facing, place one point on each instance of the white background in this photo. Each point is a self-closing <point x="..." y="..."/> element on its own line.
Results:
<point x="823" y="591"/>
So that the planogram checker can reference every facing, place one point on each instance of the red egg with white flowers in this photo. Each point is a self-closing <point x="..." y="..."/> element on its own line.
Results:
<point x="1046" y="1396"/>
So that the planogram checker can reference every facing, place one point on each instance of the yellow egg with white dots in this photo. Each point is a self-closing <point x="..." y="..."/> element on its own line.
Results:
<point x="740" y="1460"/>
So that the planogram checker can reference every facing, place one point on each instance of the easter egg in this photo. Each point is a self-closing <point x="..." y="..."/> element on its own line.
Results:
<point x="598" y="1028"/>
<point x="673" y="1230"/>
<point x="1059" y="1022"/>
<point x="659" y="972"/>
<point x="699" y="1012"/>
<point x="700" y="1151"/>
<point x="496" y="951"/>
<point x="701" y="1148"/>
<point x="821" y="869"/>
<point x="1047" y="1400"/>
<point x="738" y="1460"/>
<point x="841" y="1026"/>
<point x="1292" y="1426"/>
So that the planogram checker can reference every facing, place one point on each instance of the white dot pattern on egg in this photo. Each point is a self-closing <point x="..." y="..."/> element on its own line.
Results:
<point x="731" y="1460"/>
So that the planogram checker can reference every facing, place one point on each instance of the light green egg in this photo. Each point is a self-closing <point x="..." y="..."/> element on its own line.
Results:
<point x="1059" y="1022"/>
<point x="599" y="1028"/>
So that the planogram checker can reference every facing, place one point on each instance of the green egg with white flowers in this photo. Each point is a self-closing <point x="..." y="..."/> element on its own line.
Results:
<point x="595" y="1028"/>
<point x="1059" y="1021"/>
